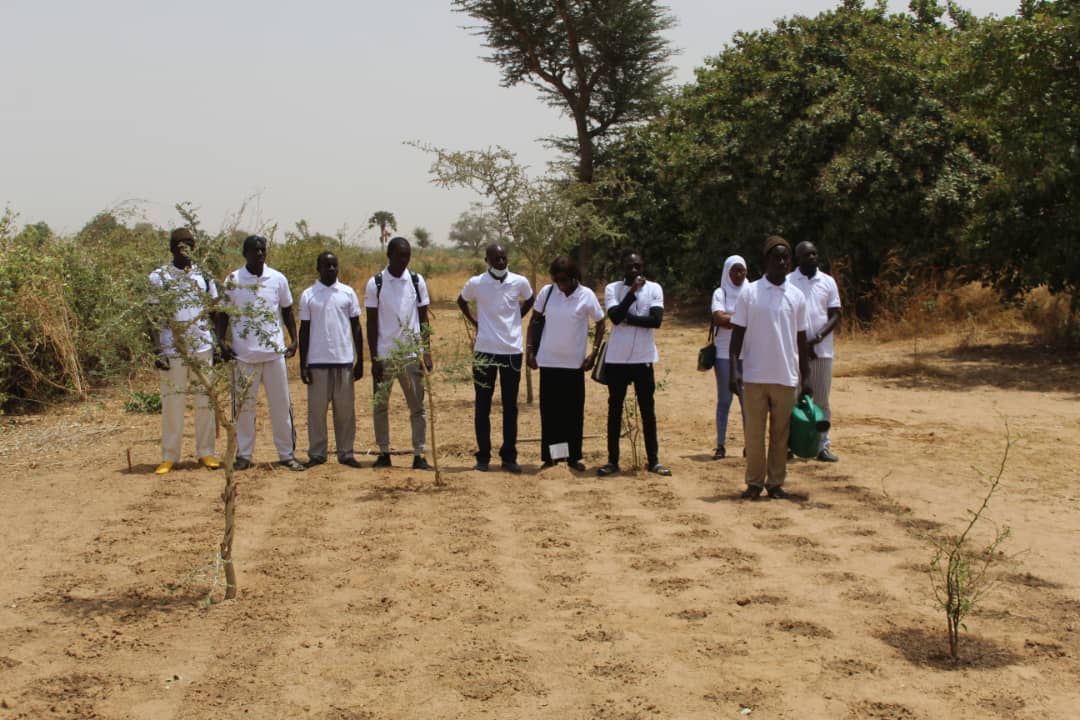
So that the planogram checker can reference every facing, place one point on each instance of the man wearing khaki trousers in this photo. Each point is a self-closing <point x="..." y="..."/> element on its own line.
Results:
<point x="331" y="360"/>
<point x="769" y="330"/>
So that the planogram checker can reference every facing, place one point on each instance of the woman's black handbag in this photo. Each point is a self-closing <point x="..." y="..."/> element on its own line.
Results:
<point x="706" y="356"/>
<point x="536" y="322"/>
<point x="599" y="368"/>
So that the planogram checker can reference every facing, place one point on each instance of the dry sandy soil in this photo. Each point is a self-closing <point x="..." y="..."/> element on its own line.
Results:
<point x="369" y="594"/>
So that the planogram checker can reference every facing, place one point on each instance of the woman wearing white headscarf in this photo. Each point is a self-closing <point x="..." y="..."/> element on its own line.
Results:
<point x="723" y="305"/>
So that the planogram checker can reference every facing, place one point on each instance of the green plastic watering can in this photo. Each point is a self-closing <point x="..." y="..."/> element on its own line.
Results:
<point x="807" y="424"/>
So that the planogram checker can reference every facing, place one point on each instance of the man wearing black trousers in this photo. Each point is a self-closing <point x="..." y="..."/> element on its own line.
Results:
<point x="636" y="309"/>
<point x="502" y="298"/>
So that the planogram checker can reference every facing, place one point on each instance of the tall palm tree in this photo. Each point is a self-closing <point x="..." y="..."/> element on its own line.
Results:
<point x="382" y="219"/>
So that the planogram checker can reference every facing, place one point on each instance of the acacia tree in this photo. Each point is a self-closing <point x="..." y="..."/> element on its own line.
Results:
<point x="474" y="229"/>
<point x="538" y="218"/>
<point x="382" y="219"/>
<point x="422" y="236"/>
<point x="224" y="388"/>
<point x="603" y="62"/>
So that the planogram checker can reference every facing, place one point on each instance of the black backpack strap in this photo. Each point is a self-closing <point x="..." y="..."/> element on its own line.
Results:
<point x="415" y="285"/>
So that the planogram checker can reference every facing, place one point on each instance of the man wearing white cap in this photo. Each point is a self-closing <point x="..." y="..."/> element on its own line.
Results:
<point x="187" y="289"/>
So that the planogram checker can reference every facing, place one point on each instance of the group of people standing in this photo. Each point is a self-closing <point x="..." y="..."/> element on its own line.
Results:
<point x="557" y="343"/>
<point x="773" y="338"/>
<point x="256" y="312"/>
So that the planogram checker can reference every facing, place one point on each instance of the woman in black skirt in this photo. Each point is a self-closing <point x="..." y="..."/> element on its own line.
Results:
<point x="557" y="344"/>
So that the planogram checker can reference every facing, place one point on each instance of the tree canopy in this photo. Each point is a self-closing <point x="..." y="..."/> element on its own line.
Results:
<point x="603" y="62"/>
<point x="895" y="141"/>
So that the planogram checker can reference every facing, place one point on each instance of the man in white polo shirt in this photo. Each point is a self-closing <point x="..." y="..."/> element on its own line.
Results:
<point x="636" y="308"/>
<point x="188" y="290"/>
<point x="397" y="303"/>
<point x="331" y="360"/>
<point x="502" y="298"/>
<point x="768" y="331"/>
<point x="823" y="305"/>
<point x="260" y="298"/>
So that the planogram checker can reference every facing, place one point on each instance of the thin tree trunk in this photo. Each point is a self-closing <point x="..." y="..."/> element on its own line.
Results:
<point x="429" y="386"/>
<point x="586" y="162"/>
<point x="528" y="370"/>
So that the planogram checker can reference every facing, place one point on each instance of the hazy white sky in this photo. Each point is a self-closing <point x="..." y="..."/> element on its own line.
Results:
<point x="306" y="104"/>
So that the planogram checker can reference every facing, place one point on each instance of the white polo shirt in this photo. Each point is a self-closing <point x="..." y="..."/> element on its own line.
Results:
<point x="566" y="325"/>
<point x="722" y="339"/>
<point x="398" y="307"/>
<point x="256" y="333"/>
<point x="821" y="294"/>
<point x="498" y="311"/>
<point x="773" y="315"/>
<point x="328" y="310"/>
<point x="188" y="286"/>
<point x="627" y="344"/>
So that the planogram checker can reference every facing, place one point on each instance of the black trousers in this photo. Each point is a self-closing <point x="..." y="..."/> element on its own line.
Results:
<point x="562" y="410"/>
<point x="508" y="368"/>
<point x="619" y="378"/>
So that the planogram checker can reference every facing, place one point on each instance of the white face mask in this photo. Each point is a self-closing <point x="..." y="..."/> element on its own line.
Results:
<point x="498" y="274"/>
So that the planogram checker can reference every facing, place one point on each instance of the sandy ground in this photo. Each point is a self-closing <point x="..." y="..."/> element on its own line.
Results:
<point x="369" y="594"/>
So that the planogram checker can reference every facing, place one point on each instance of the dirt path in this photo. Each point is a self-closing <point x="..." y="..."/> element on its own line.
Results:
<point x="557" y="594"/>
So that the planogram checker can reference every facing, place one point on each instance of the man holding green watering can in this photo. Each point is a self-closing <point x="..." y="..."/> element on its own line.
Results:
<point x="769" y="329"/>
<point x="823" y="307"/>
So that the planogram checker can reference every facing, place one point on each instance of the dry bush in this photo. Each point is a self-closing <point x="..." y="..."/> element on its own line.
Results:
<point x="1054" y="318"/>
<point x="909" y="301"/>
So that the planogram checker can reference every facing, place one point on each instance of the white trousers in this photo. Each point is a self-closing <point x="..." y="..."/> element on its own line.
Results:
<point x="821" y="384"/>
<point x="174" y="388"/>
<point x="273" y="376"/>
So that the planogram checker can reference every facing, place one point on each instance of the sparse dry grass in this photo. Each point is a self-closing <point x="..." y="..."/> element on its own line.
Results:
<point x="446" y="287"/>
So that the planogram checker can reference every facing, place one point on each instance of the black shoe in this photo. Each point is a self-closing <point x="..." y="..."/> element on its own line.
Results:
<point x="292" y="464"/>
<point x="752" y="492"/>
<point x="313" y="461"/>
<point x="420" y="463"/>
<point x="383" y="461"/>
<point x="576" y="465"/>
<point x="826" y="456"/>
<point x="511" y="467"/>
<point x="242" y="463"/>
<point x="609" y="469"/>
<point x="659" y="469"/>
<point x="720" y="453"/>
<point x="481" y="467"/>
<point x="351" y="462"/>
<point x="548" y="464"/>
<point x="777" y="493"/>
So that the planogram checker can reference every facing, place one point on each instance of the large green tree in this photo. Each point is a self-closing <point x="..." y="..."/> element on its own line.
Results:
<point x="1021" y="88"/>
<point x="603" y="62"/>
<point x="841" y="129"/>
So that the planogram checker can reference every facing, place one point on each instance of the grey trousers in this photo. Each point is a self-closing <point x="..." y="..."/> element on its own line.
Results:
<point x="411" y="380"/>
<point x="331" y="386"/>
<point x="821" y="384"/>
